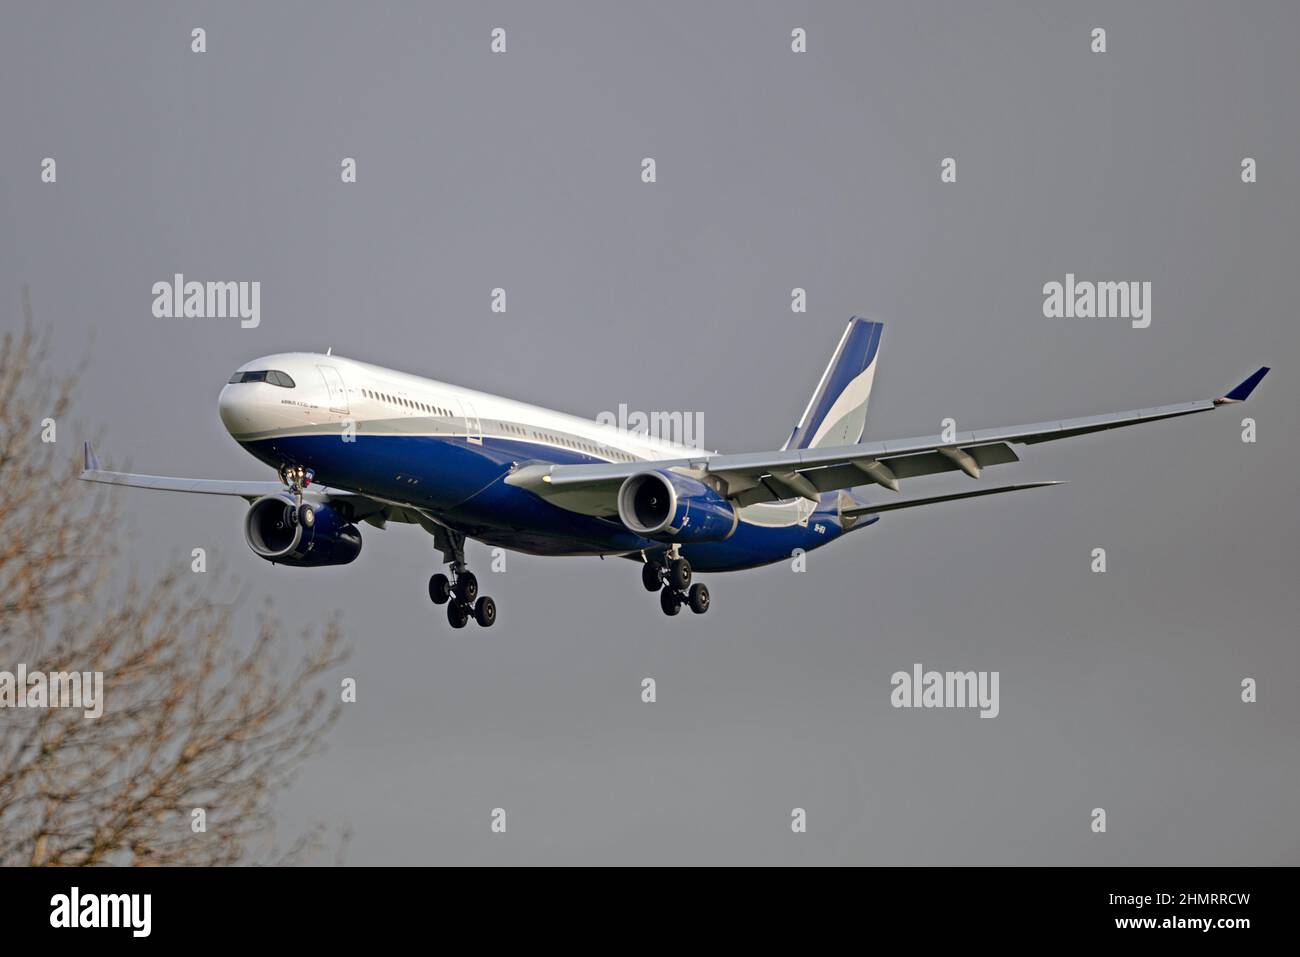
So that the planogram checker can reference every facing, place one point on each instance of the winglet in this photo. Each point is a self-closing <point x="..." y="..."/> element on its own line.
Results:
<point x="92" y="460"/>
<point x="1242" y="392"/>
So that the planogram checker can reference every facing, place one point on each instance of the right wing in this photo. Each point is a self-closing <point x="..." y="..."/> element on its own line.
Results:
<point x="361" y="507"/>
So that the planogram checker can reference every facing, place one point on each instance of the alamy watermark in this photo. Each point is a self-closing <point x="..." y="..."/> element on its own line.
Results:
<point x="55" y="689"/>
<point x="1084" y="299"/>
<point x="130" y="911"/>
<point x="179" y="299"/>
<point x="683" y="428"/>
<point x="946" y="689"/>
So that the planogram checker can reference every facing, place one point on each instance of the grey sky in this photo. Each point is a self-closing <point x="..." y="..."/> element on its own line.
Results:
<point x="775" y="170"/>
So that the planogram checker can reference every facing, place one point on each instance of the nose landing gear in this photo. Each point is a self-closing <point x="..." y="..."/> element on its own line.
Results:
<point x="297" y="478"/>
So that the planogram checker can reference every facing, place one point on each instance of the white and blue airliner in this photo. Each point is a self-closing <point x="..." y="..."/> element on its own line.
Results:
<point x="357" y="443"/>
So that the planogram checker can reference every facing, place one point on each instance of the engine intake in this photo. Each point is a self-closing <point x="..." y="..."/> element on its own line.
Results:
<point x="669" y="507"/>
<point x="271" y="534"/>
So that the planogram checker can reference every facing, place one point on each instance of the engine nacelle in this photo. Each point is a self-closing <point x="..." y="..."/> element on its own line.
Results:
<point x="669" y="507"/>
<point x="330" y="540"/>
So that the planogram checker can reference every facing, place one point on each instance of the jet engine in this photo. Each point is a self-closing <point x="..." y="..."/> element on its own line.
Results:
<point x="274" y="533"/>
<point x="669" y="507"/>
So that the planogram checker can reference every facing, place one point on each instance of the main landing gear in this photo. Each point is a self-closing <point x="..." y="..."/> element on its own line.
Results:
<point x="460" y="598"/>
<point x="674" y="578"/>
<point x="460" y="592"/>
<point x="297" y="478"/>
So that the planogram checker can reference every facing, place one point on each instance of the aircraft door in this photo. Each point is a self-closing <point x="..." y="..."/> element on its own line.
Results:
<point x="473" y="427"/>
<point x="337" y="392"/>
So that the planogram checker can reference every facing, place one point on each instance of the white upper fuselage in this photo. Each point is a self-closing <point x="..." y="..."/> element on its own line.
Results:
<point x="330" y="390"/>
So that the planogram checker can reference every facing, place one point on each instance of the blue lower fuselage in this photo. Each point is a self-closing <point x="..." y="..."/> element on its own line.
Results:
<point x="460" y="483"/>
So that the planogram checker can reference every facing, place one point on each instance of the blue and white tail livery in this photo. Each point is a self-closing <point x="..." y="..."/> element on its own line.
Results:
<point x="837" y="412"/>
<point x="354" y="443"/>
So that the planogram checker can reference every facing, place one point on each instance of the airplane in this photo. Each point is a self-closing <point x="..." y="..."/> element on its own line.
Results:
<point x="354" y="442"/>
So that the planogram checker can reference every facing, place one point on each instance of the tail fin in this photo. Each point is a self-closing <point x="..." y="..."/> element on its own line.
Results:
<point x="837" y="412"/>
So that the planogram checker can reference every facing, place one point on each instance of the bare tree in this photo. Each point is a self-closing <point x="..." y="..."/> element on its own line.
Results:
<point x="193" y="717"/>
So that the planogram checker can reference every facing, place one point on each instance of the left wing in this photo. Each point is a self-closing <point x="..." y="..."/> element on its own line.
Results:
<point x="773" y="476"/>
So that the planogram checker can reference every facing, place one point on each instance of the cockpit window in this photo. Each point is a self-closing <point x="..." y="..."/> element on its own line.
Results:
<point x="273" y="376"/>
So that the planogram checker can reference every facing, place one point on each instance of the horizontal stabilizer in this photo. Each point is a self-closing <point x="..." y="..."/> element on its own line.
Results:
<point x="859" y="511"/>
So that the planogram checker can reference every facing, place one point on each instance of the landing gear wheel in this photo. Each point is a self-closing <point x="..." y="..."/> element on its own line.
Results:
<point x="306" y="515"/>
<point x="439" y="589"/>
<point x="679" y="574"/>
<point x="670" y="601"/>
<point x="651" y="576"/>
<point x="466" y="587"/>
<point x="457" y="614"/>
<point x="698" y="598"/>
<point x="485" y="612"/>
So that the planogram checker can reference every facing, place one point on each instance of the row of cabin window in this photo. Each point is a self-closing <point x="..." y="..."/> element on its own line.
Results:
<point x="558" y="440"/>
<point x="577" y="446"/>
<point x="408" y="403"/>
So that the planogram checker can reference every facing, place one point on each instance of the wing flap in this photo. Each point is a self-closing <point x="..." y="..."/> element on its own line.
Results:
<point x="931" y="463"/>
<point x="750" y="488"/>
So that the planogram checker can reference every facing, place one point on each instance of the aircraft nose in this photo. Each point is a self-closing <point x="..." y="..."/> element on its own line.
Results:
<point x="238" y="408"/>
